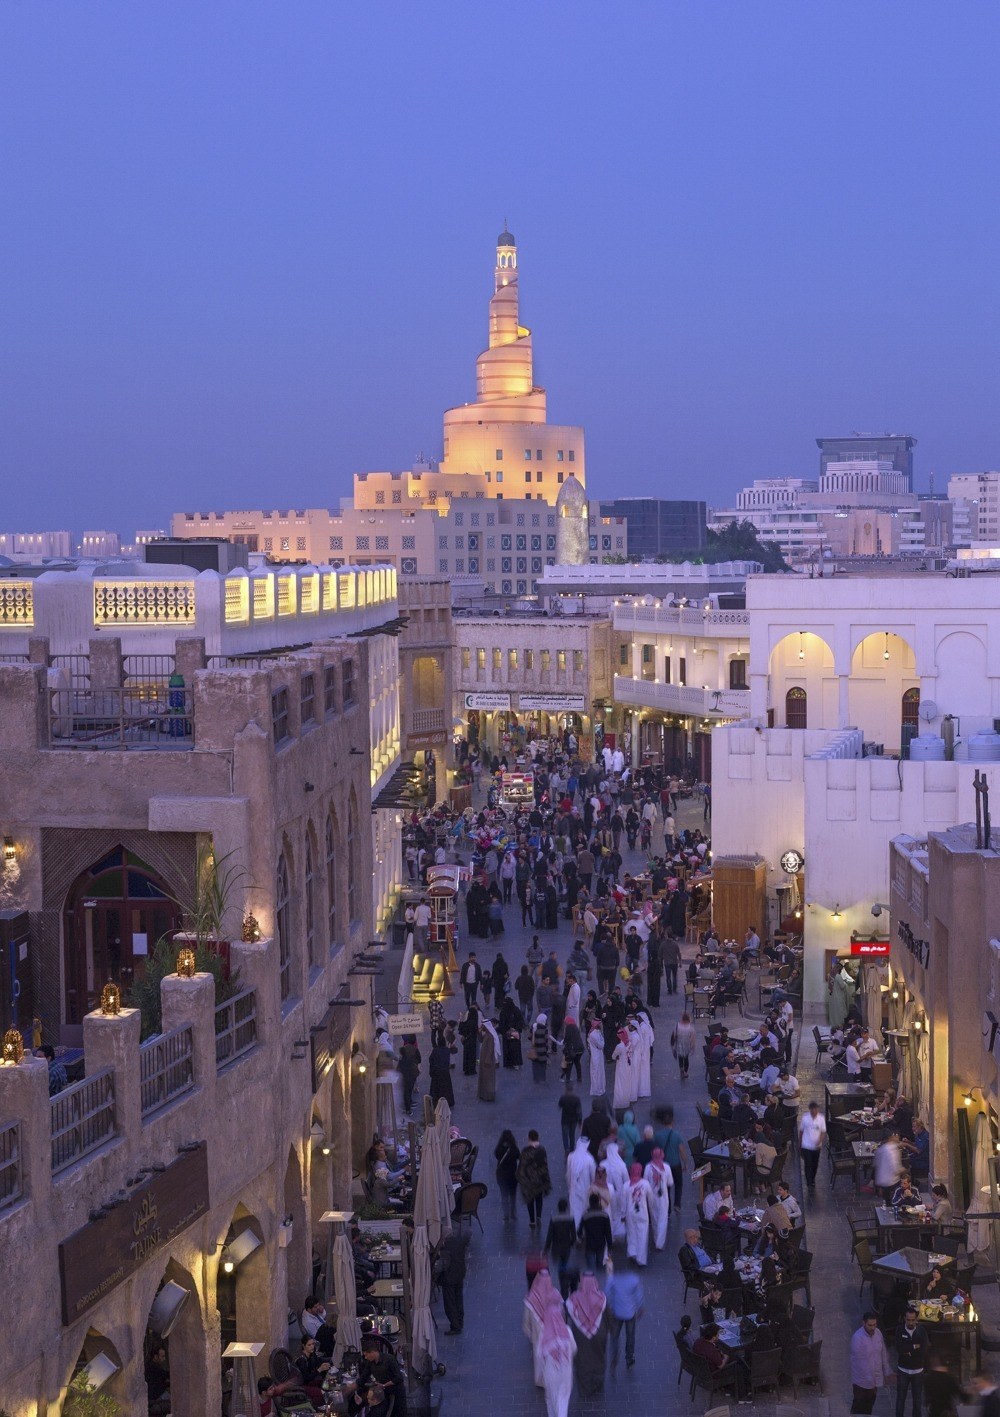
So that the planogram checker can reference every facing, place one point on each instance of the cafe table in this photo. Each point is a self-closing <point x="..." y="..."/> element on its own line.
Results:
<point x="864" y="1152"/>
<point x="844" y="1097"/>
<point x="387" y="1291"/>
<point x="720" y="1153"/>
<point x="911" y="1266"/>
<point x="943" y="1320"/>
<point x="890" y="1224"/>
<point x="742" y="1035"/>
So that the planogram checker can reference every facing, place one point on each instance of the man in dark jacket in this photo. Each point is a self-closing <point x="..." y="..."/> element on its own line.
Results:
<point x="670" y="952"/>
<point x="595" y="1234"/>
<point x="606" y="959"/>
<point x="381" y="1367"/>
<point x="560" y="1241"/>
<point x="449" y="1271"/>
<point x="570" y="1116"/>
<point x="911" y="1358"/>
<point x="471" y="978"/>
<point x="596" y="1126"/>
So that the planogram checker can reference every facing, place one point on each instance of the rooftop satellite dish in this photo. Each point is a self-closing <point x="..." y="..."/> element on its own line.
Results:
<point x="928" y="710"/>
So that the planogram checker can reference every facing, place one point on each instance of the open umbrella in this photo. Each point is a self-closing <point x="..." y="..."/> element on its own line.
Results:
<point x="424" y="1334"/>
<point x="348" y="1328"/>
<point x="980" y="1231"/>
<point x="442" y="1125"/>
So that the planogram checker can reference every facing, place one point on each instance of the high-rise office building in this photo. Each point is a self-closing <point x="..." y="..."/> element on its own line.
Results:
<point x="895" y="448"/>
<point x="657" y="526"/>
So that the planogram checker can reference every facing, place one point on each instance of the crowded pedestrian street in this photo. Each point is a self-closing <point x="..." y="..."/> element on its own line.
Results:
<point x="492" y="1357"/>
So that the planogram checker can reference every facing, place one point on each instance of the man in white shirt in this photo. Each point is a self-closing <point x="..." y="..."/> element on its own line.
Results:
<point x="868" y="1049"/>
<point x="669" y="833"/>
<point x="617" y="761"/>
<point x="853" y="1059"/>
<point x="421" y="924"/>
<point x="788" y="1086"/>
<point x="715" y="1199"/>
<point x="649" y="811"/>
<point x="812" y="1130"/>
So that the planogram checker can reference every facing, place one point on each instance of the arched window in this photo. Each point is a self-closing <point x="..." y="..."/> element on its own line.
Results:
<point x="911" y="710"/>
<point x="795" y="708"/>
<point x="352" y="862"/>
<point x="331" y="880"/>
<point x="310" y="902"/>
<point x="283" y="925"/>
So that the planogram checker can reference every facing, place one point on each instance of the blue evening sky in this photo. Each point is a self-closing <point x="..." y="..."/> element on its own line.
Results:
<point x="246" y="245"/>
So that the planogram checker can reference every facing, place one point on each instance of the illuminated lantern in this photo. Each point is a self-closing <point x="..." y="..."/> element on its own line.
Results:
<point x="111" y="999"/>
<point x="186" y="964"/>
<point x="13" y="1047"/>
<point x="251" y="930"/>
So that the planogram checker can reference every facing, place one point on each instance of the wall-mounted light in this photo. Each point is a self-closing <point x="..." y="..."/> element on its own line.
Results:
<point x="895" y="993"/>
<point x="836" y="912"/>
<point x="918" y="1024"/>
<point x="885" y="652"/>
<point x="359" y="1059"/>
<point x="802" y="651"/>
<point x="9" y="849"/>
<point x="968" y="1096"/>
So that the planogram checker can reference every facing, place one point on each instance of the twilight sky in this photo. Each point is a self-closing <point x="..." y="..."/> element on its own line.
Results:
<point x="246" y="246"/>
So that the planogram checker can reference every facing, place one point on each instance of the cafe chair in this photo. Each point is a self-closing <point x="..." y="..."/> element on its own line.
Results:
<point x="778" y="1302"/>
<point x="800" y="1274"/>
<point x="684" y="1354"/>
<point x="460" y="1149"/>
<point x="794" y="1238"/>
<point x="802" y="1322"/>
<point x="733" y="1301"/>
<point x="469" y="1165"/>
<point x="282" y="1369"/>
<point x="863" y="1255"/>
<point x="802" y="1365"/>
<point x="717" y="1380"/>
<point x="467" y="1203"/>
<point x="764" y="1370"/>
<point x="841" y="1164"/>
<point x="861" y="1219"/>
<point x="822" y="1043"/>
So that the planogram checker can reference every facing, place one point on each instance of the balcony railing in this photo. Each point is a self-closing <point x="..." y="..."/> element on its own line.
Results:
<point x="679" y="698"/>
<point x="121" y="718"/>
<point x="166" y="1069"/>
<point x="83" y="1118"/>
<point x="426" y="720"/>
<point x="11" y="1171"/>
<point x="235" y="1027"/>
<point x="716" y="623"/>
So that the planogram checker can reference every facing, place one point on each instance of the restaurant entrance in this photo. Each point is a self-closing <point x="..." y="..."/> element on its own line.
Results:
<point x="115" y="912"/>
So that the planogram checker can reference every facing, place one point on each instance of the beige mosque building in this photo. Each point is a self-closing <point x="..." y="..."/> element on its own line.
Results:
<point x="500" y="445"/>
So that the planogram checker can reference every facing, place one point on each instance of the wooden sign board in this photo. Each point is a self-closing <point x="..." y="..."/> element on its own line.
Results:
<point x="406" y="1023"/>
<point x="104" y="1253"/>
<point x="701" y="1171"/>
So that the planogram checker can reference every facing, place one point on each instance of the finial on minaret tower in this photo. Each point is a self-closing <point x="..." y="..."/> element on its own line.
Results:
<point x="506" y="254"/>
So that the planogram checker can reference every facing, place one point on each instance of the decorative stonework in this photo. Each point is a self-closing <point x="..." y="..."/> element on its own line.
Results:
<point x="142" y="602"/>
<point x="17" y="603"/>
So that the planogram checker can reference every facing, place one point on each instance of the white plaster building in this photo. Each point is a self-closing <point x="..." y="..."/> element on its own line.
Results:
<point x="835" y="664"/>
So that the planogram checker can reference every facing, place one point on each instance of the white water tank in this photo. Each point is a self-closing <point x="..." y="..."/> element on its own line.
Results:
<point x="984" y="747"/>
<point x="927" y="748"/>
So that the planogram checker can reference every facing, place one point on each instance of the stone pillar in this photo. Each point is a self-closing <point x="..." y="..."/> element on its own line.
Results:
<point x="190" y="1003"/>
<point x="24" y="1097"/>
<point x="112" y="1041"/>
<point x="758" y="696"/>
<point x="38" y="650"/>
<point x="843" y="701"/>
<point x="258" y="969"/>
<point x="106" y="663"/>
<point x="189" y="657"/>
<point x="440" y="775"/>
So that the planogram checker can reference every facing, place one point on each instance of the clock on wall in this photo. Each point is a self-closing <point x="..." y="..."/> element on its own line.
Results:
<point x="792" y="862"/>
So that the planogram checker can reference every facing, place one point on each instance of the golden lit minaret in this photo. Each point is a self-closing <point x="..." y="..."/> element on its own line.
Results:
<point x="505" y="369"/>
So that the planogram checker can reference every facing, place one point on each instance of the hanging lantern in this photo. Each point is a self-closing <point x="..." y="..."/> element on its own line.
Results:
<point x="186" y="963"/>
<point x="251" y="929"/>
<point x="111" y="999"/>
<point x="13" y="1047"/>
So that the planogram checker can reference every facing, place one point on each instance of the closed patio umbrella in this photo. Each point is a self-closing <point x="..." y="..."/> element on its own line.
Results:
<point x="427" y="1201"/>
<point x="424" y="1333"/>
<point x="348" y="1328"/>
<point x="871" y="1002"/>
<point x="980" y="1231"/>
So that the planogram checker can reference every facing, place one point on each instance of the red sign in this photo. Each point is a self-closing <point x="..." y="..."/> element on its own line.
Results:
<point x="870" y="947"/>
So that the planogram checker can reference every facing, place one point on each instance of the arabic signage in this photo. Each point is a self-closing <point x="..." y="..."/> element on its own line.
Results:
<point x="103" y="1254"/>
<point x="871" y="949"/>
<point x="919" y="949"/>
<point x="487" y="701"/>
<point x="406" y="1023"/>
<point x="551" y="703"/>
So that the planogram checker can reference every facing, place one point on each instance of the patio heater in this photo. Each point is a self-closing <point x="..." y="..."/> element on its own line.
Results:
<point x="244" y="1401"/>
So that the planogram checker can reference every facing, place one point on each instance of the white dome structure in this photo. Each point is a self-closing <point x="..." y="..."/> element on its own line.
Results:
<point x="572" y="524"/>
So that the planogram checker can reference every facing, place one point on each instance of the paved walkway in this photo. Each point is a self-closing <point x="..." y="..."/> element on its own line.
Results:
<point x="489" y="1366"/>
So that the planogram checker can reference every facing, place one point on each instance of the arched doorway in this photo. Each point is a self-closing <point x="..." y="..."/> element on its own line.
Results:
<point x="174" y="1347"/>
<point x="796" y="704"/>
<point x="98" y="1367"/>
<point x="243" y="1281"/>
<point x="298" y="1252"/>
<point x="910" y="717"/>
<point x="115" y="912"/>
<point x="883" y="669"/>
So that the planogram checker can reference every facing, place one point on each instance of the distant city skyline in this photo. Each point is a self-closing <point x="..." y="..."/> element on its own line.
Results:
<point x="246" y="248"/>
